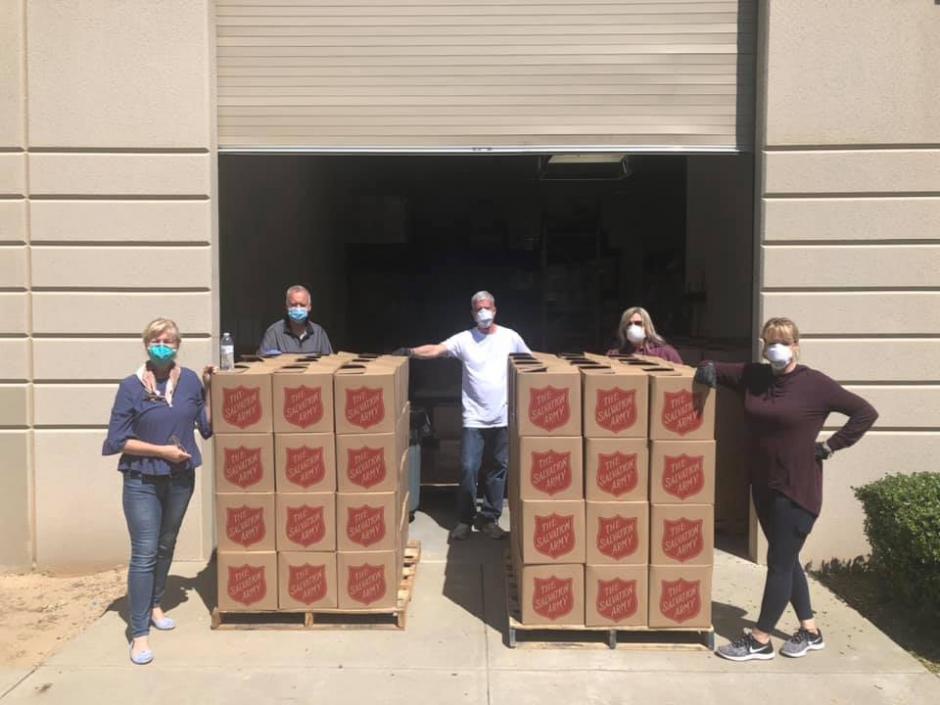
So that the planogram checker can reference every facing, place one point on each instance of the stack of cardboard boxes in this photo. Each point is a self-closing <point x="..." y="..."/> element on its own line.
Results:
<point x="311" y="461"/>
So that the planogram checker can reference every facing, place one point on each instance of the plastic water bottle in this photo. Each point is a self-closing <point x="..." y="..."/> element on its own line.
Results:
<point x="227" y="352"/>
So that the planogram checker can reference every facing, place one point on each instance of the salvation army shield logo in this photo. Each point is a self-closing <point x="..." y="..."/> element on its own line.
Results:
<point x="615" y="409"/>
<point x="365" y="406"/>
<point x="550" y="472"/>
<point x="305" y="466"/>
<point x="682" y="539"/>
<point x="680" y="600"/>
<point x="552" y="598"/>
<point x="366" y="583"/>
<point x="244" y="525"/>
<point x="365" y="466"/>
<point x="307" y="583"/>
<point x="616" y="599"/>
<point x="679" y="413"/>
<point x="242" y="466"/>
<point x="549" y="407"/>
<point x="683" y="475"/>
<point x="554" y="534"/>
<point x="617" y="473"/>
<point x="617" y="536"/>
<point x="305" y="525"/>
<point x="246" y="584"/>
<point x="303" y="406"/>
<point x="241" y="406"/>
<point x="365" y="525"/>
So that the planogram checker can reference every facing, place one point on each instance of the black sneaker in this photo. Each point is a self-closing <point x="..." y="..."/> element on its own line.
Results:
<point x="461" y="532"/>
<point x="747" y="648"/>
<point x="490" y="529"/>
<point x="802" y="642"/>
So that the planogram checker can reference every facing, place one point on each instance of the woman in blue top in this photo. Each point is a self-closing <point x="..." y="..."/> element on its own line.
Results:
<point x="152" y="426"/>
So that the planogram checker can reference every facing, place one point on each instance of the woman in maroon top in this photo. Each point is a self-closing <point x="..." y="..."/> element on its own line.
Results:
<point x="786" y="405"/>
<point x="637" y="336"/>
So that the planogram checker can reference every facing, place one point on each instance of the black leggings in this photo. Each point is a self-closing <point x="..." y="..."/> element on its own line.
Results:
<point x="786" y="526"/>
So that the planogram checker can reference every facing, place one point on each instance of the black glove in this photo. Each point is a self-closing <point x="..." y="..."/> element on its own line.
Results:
<point x="707" y="375"/>
<point x="402" y="352"/>
<point x="823" y="451"/>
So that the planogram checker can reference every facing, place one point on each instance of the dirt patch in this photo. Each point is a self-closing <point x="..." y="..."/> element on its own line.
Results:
<point x="41" y="611"/>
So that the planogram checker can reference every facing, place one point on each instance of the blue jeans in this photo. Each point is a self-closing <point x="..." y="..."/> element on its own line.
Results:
<point x="476" y="445"/>
<point x="153" y="507"/>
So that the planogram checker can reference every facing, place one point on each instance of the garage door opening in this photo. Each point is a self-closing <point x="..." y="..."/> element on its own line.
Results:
<point x="392" y="248"/>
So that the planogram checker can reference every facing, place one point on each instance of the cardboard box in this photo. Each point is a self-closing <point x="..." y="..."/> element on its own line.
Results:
<point x="548" y="467"/>
<point x="247" y="581"/>
<point x="680" y="596"/>
<point x="303" y="398"/>
<point x="682" y="534"/>
<point x="368" y="579"/>
<point x="551" y="594"/>
<point x="368" y="397"/>
<point x="306" y="522"/>
<point x="616" y="595"/>
<point x="679" y="409"/>
<point x="305" y="462"/>
<point x="367" y="521"/>
<point x="616" y="469"/>
<point x="306" y="580"/>
<point x="245" y="521"/>
<point x="682" y="472"/>
<point x="617" y="532"/>
<point x="546" y="401"/>
<point x="615" y="402"/>
<point x="552" y="532"/>
<point x="244" y="462"/>
<point x="369" y="462"/>
<point x="241" y="399"/>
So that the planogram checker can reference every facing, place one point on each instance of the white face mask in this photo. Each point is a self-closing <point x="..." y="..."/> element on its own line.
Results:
<point x="484" y="317"/>
<point x="636" y="334"/>
<point x="779" y="355"/>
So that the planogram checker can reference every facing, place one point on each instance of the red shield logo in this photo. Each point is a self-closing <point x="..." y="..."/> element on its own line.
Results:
<point x="307" y="583"/>
<point x="365" y="525"/>
<point x="303" y="406"/>
<point x="365" y="466"/>
<point x="552" y="597"/>
<point x="683" y="475"/>
<point x="679" y="413"/>
<point x="617" y="473"/>
<point x="242" y="466"/>
<point x="241" y="406"/>
<point x="617" y="536"/>
<point x="682" y="539"/>
<point x="680" y="600"/>
<point x="549" y="407"/>
<point x="616" y="599"/>
<point x="304" y="466"/>
<point x="550" y="472"/>
<point x="246" y="584"/>
<point x="305" y="525"/>
<point x="366" y="583"/>
<point x="554" y="534"/>
<point x="365" y="407"/>
<point x="615" y="409"/>
<point x="244" y="525"/>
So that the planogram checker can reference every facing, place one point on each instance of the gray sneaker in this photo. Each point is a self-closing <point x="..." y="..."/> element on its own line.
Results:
<point x="747" y="648"/>
<point x="802" y="642"/>
<point x="461" y="532"/>
<point x="491" y="530"/>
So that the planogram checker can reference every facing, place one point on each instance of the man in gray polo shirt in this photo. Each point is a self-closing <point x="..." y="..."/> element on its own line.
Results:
<point x="296" y="333"/>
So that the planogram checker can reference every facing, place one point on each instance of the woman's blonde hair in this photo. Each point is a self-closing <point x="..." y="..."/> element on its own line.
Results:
<point x="783" y="330"/>
<point x="651" y="335"/>
<point x="158" y="327"/>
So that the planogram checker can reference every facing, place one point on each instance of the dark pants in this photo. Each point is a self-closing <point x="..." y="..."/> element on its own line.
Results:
<point x="477" y="445"/>
<point x="786" y="526"/>
<point x="153" y="507"/>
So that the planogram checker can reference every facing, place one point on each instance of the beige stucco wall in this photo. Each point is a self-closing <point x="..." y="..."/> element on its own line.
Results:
<point x="849" y="224"/>
<point x="107" y="188"/>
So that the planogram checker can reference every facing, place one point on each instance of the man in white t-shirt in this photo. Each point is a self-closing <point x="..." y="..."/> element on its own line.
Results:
<point x="484" y="351"/>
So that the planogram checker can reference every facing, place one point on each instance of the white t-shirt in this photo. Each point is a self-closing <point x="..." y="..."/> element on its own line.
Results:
<point x="485" y="358"/>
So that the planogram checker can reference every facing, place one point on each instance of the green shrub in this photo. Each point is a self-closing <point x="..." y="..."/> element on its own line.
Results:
<point x="902" y="522"/>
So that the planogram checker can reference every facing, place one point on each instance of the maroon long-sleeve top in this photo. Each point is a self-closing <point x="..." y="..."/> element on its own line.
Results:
<point x="785" y="414"/>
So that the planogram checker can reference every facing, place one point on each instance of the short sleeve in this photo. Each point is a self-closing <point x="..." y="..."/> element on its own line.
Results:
<point x="453" y="346"/>
<point x="519" y="345"/>
<point x="121" y="424"/>
<point x="326" y="348"/>
<point x="268" y="341"/>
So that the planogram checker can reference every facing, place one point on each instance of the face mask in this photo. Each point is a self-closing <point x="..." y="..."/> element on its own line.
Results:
<point x="635" y="334"/>
<point x="161" y="354"/>
<point x="297" y="313"/>
<point x="484" y="317"/>
<point x="780" y="356"/>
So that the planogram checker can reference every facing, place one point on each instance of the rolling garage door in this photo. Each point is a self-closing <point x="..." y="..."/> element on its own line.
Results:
<point x="465" y="75"/>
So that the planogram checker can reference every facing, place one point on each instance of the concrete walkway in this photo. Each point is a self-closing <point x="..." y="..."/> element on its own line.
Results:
<point x="454" y="652"/>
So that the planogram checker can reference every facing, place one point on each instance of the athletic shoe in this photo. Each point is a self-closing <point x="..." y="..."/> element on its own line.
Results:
<point x="747" y="648"/>
<point x="461" y="532"/>
<point x="802" y="642"/>
<point x="490" y="529"/>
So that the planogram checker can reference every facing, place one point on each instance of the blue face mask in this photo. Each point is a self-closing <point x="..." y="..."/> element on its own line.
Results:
<point x="161" y="354"/>
<point x="297" y="313"/>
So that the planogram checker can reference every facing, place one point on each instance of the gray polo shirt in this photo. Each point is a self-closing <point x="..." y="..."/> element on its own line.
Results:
<point x="279" y="336"/>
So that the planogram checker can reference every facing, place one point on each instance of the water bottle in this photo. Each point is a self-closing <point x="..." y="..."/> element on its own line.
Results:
<point x="227" y="352"/>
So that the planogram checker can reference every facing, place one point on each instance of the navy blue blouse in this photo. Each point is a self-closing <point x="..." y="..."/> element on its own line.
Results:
<point x="136" y="415"/>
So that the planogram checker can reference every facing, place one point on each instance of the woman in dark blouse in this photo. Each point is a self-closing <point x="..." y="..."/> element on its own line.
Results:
<point x="786" y="405"/>
<point x="152" y="426"/>
<point x="637" y="335"/>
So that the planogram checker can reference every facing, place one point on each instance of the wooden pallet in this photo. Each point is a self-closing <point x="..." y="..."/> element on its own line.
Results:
<point x="367" y="618"/>
<point x="571" y="636"/>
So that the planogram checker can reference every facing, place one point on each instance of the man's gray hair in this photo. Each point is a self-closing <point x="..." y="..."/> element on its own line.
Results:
<point x="296" y="289"/>
<point x="482" y="296"/>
